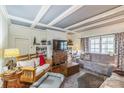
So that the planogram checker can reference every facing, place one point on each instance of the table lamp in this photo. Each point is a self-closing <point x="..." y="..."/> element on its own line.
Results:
<point x="11" y="53"/>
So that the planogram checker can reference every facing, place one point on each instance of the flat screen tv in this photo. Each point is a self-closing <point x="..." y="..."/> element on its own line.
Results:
<point x="60" y="45"/>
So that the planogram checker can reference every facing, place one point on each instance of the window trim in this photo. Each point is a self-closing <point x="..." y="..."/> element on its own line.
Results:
<point x="100" y="44"/>
<point x="90" y="44"/>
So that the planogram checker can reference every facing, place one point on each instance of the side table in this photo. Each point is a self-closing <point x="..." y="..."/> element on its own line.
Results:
<point x="11" y="79"/>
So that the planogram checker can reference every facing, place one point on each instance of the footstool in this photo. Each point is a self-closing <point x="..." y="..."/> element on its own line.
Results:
<point x="49" y="80"/>
<point x="89" y="80"/>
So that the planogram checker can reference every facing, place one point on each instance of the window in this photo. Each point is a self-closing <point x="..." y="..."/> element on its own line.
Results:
<point x="107" y="44"/>
<point x="102" y="44"/>
<point x="95" y="44"/>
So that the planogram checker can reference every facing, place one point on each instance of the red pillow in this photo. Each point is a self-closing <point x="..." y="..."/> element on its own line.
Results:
<point x="42" y="60"/>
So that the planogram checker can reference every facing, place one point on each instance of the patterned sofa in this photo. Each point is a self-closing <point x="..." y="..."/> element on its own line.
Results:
<point x="99" y="63"/>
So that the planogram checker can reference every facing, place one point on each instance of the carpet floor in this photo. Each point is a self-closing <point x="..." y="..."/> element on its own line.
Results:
<point x="71" y="81"/>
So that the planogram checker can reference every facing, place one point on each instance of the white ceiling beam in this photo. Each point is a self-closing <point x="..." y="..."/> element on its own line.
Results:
<point x="4" y="12"/>
<point x="20" y="19"/>
<point x="105" y="14"/>
<point x="30" y="22"/>
<point x="65" y="14"/>
<point x="101" y="23"/>
<point x="52" y="27"/>
<point x="41" y="14"/>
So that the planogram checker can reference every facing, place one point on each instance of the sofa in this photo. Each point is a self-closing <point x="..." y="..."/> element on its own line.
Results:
<point x="32" y="68"/>
<point x="99" y="63"/>
<point x="114" y="81"/>
<point x="49" y="80"/>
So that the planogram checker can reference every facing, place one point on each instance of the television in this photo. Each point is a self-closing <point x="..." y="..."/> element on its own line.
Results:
<point x="60" y="45"/>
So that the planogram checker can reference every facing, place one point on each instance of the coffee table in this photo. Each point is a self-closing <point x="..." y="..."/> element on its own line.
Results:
<point x="71" y="68"/>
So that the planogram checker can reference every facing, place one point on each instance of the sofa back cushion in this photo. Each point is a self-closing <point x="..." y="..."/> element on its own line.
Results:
<point x="103" y="58"/>
<point x="36" y="61"/>
<point x="27" y="63"/>
<point x="95" y="57"/>
<point x="86" y="57"/>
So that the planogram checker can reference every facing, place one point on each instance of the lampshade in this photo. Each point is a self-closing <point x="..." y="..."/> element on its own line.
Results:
<point x="11" y="53"/>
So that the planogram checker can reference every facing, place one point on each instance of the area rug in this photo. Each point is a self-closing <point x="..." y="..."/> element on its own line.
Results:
<point x="89" y="80"/>
<point x="72" y="81"/>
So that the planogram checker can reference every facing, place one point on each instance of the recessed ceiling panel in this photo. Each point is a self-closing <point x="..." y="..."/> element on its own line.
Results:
<point x="99" y="20"/>
<point x="103" y="25"/>
<point x="54" y="12"/>
<point x="20" y="23"/>
<point x="24" y="11"/>
<point x="83" y="14"/>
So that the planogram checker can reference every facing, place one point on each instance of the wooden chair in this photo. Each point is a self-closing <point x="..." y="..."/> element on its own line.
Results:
<point x="29" y="73"/>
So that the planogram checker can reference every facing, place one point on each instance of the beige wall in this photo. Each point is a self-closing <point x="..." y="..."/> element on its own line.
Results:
<point x="116" y="28"/>
<point x="16" y="31"/>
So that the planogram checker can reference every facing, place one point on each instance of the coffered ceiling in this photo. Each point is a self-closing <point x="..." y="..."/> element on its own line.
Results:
<point x="66" y="18"/>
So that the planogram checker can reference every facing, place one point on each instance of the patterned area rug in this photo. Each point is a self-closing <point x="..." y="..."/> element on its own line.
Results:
<point x="71" y="81"/>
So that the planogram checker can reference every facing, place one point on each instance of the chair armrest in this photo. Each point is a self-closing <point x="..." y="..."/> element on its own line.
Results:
<point x="28" y="74"/>
<point x="48" y="61"/>
<point x="28" y="68"/>
<point x="1" y="75"/>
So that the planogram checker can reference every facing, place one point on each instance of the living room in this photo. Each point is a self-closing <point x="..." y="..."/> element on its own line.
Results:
<point x="61" y="46"/>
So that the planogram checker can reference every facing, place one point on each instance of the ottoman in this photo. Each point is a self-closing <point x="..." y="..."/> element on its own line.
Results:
<point x="88" y="80"/>
<point x="49" y="80"/>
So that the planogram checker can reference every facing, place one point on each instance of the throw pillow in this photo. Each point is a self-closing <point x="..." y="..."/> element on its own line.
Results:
<point x="42" y="60"/>
<point x="82" y="56"/>
<point x="87" y="57"/>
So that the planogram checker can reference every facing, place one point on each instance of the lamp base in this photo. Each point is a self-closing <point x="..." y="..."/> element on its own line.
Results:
<point x="11" y="65"/>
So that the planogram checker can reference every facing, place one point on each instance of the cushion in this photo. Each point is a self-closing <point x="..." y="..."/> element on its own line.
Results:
<point x="42" y="60"/>
<point x="82" y="56"/>
<point x="45" y="66"/>
<point x="27" y="63"/>
<point x="39" y="70"/>
<point x="49" y="80"/>
<point x="87" y="57"/>
<point x="36" y="61"/>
